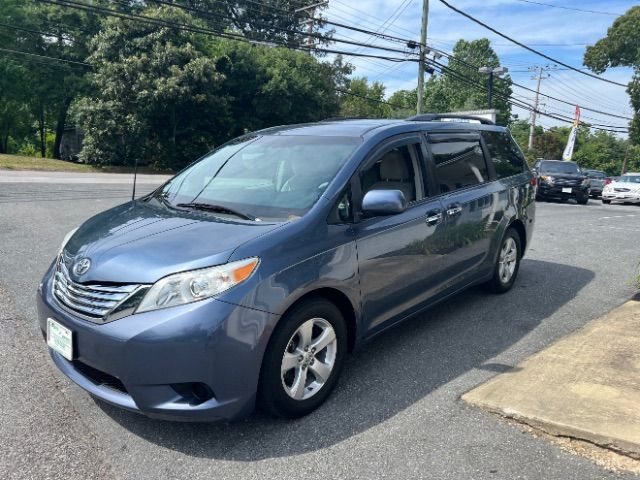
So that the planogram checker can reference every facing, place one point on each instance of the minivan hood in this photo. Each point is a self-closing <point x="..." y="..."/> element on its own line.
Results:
<point x="140" y="243"/>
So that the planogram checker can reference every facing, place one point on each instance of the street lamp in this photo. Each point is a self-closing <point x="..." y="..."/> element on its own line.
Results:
<point x="491" y="71"/>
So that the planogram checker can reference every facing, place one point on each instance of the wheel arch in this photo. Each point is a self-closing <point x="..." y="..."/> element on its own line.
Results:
<point x="518" y="226"/>
<point x="341" y="301"/>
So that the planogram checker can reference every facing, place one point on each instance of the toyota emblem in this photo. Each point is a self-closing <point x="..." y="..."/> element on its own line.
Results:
<point x="82" y="266"/>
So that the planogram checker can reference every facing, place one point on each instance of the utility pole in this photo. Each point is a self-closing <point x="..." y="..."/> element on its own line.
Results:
<point x="310" y="10"/>
<point x="532" y="128"/>
<point x="422" y="55"/>
<point x="624" y="162"/>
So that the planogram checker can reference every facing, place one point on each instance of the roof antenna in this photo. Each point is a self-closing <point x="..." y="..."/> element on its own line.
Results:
<point x="135" y="177"/>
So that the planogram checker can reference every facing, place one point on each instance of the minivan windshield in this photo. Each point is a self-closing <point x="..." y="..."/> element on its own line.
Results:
<point x="630" y="178"/>
<point x="275" y="177"/>
<point x="559" y="167"/>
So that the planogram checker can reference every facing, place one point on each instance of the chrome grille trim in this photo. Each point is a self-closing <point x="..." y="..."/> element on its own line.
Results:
<point x="97" y="303"/>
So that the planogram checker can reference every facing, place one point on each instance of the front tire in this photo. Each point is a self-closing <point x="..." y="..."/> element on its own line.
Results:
<point x="507" y="263"/>
<point x="303" y="360"/>
<point x="606" y="202"/>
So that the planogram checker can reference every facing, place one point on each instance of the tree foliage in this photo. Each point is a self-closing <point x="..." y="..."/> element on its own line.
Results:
<point x="460" y="86"/>
<point x="621" y="47"/>
<point x="167" y="96"/>
<point x="364" y="100"/>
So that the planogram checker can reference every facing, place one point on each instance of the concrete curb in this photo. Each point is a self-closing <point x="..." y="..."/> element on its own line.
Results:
<point x="585" y="386"/>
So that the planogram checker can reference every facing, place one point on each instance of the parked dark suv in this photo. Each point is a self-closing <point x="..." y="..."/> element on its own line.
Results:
<point x="249" y="275"/>
<point x="561" y="180"/>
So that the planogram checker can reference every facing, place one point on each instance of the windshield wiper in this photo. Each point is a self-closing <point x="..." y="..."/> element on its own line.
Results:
<point x="218" y="208"/>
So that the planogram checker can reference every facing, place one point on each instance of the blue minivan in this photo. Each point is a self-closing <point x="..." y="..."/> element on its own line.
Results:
<point x="247" y="277"/>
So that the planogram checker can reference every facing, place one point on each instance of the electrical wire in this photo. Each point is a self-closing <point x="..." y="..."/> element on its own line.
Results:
<point x="600" y="12"/>
<point x="18" y="52"/>
<point x="526" y="47"/>
<point x="195" y="29"/>
<point x="470" y="65"/>
<point x="515" y="102"/>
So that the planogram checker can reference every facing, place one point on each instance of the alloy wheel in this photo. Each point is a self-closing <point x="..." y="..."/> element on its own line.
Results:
<point x="308" y="359"/>
<point x="507" y="260"/>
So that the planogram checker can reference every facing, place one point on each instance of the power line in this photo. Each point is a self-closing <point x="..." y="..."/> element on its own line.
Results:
<point x="470" y="65"/>
<point x="392" y="18"/>
<point x="205" y="31"/>
<point x="18" y="52"/>
<point x="526" y="47"/>
<point x="600" y="12"/>
<point x="519" y="103"/>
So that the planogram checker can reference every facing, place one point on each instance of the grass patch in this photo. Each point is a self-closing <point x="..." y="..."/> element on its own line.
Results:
<point x="19" y="162"/>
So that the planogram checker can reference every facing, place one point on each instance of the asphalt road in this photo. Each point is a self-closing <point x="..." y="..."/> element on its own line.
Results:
<point x="397" y="411"/>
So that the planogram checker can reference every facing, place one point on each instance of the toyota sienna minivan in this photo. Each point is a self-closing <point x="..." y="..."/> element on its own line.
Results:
<point x="248" y="277"/>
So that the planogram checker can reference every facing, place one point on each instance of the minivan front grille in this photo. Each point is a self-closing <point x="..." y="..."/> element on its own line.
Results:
<point x="93" y="302"/>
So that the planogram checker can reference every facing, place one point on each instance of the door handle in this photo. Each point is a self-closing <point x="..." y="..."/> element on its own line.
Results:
<point x="454" y="210"/>
<point x="433" y="218"/>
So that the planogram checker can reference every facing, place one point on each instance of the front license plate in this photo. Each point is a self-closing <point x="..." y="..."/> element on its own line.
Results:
<point x="60" y="338"/>
<point x="566" y="190"/>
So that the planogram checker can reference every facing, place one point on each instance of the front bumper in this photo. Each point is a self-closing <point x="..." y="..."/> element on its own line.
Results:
<point x="560" y="191"/>
<point x="621" y="196"/>
<point x="149" y="362"/>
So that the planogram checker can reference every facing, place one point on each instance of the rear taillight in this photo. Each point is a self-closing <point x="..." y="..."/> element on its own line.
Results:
<point x="607" y="181"/>
<point x="534" y="181"/>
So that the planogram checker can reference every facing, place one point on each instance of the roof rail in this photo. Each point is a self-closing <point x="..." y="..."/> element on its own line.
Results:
<point x="337" y="119"/>
<point x="432" y="117"/>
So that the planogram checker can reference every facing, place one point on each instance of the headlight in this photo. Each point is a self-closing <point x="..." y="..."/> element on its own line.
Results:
<point x="187" y="287"/>
<point x="547" y="179"/>
<point x="67" y="237"/>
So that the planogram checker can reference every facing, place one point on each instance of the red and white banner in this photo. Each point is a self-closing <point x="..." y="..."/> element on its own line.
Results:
<point x="568" y="150"/>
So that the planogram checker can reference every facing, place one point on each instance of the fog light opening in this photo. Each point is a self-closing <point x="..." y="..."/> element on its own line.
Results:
<point x="202" y="392"/>
<point x="194" y="393"/>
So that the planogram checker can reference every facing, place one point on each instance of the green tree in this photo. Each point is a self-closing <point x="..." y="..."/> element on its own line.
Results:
<point x="621" y="47"/>
<point x="550" y="144"/>
<point x="364" y="100"/>
<point x="46" y="30"/>
<point x="403" y="103"/>
<point x="271" y="20"/>
<point x="601" y="151"/>
<point x="466" y="93"/>
<point x="461" y="86"/>
<point x="275" y="86"/>
<point x="156" y="94"/>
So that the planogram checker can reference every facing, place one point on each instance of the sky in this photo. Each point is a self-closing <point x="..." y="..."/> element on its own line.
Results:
<point x="560" y="33"/>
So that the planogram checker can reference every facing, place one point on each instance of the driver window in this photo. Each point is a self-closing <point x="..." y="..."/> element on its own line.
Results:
<point x="396" y="169"/>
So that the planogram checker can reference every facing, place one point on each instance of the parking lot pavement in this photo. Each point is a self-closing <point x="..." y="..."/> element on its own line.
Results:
<point x="397" y="411"/>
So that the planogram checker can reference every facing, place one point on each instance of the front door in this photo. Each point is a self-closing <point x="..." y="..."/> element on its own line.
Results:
<point x="398" y="258"/>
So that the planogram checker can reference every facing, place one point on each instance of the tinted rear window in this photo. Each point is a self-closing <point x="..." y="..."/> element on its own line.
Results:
<point x="505" y="154"/>
<point x="459" y="163"/>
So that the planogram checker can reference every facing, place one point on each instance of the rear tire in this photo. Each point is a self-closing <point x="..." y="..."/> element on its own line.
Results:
<point x="303" y="359"/>
<point x="507" y="263"/>
<point x="583" y="201"/>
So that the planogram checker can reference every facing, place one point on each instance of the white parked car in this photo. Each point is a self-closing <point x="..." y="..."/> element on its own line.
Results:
<point x="625" y="189"/>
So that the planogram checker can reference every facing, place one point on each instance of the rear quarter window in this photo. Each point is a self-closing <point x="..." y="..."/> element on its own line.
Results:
<point x="505" y="154"/>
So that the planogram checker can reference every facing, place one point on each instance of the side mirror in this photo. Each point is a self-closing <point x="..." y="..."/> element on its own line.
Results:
<point x="384" y="202"/>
